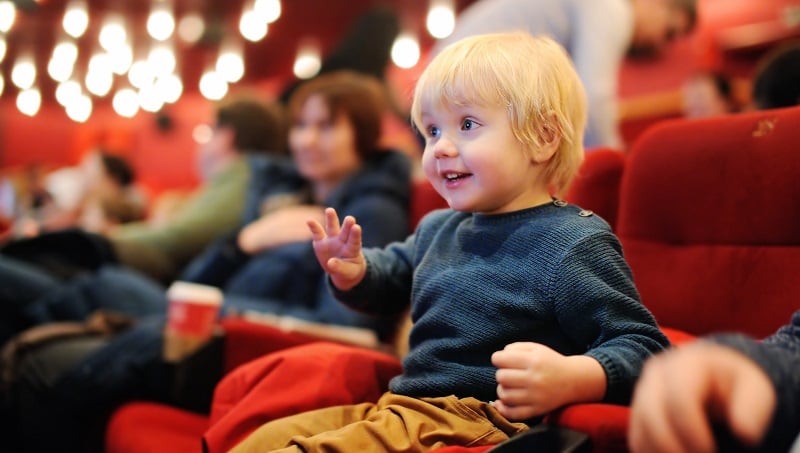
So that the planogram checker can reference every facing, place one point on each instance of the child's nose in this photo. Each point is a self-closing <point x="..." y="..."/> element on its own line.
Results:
<point x="444" y="147"/>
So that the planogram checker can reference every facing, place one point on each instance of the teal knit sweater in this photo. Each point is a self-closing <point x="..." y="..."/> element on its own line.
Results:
<point x="550" y="274"/>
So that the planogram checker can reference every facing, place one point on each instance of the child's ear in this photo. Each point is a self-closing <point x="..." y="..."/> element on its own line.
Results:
<point x="549" y="139"/>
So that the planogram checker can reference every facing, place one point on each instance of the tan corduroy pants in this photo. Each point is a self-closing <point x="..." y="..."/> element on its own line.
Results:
<point x="395" y="423"/>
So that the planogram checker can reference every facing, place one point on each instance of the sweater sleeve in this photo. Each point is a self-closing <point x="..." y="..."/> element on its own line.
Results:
<point x="779" y="357"/>
<point x="386" y="288"/>
<point x="598" y="306"/>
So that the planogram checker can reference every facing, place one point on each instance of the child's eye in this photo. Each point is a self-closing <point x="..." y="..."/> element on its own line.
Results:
<point x="433" y="131"/>
<point x="468" y="124"/>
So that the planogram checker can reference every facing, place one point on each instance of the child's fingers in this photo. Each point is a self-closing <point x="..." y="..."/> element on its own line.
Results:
<point x="341" y="268"/>
<point x="347" y="225"/>
<point x="351" y="233"/>
<point x="317" y="232"/>
<point x="331" y="222"/>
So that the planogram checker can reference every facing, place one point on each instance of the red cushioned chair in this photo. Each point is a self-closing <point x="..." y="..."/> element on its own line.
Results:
<point x="707" y="224"/>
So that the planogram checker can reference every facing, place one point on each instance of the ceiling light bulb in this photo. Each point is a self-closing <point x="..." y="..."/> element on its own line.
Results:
<point x="8" y="12"/>
<point x="76" y="18"/>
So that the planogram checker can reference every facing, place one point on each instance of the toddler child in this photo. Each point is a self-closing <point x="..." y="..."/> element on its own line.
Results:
<point x="521" y="303"/>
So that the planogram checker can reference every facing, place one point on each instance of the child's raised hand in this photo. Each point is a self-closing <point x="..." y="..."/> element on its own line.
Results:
<point x="338" y="249"/>
<point x="533" y="379"/>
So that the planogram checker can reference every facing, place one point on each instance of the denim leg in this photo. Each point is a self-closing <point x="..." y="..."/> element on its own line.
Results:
<point x="67" y="414"/>
<point x="21" y="284"/>
<point x="111" y="288"/>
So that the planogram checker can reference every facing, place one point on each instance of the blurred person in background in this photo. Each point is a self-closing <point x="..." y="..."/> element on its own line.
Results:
<point x="266" y="268"/>
<point x="243" y="126"/>
<point x="598" y="35"/>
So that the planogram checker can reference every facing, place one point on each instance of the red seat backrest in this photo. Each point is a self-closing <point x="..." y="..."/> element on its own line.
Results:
<point x="596" y="187"/>
<point x="709" y="222"/>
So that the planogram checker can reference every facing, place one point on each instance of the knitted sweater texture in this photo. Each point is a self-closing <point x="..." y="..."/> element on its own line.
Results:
<point x="477" y="283"/>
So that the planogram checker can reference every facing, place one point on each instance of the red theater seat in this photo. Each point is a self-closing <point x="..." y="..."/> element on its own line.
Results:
<point x="596" y="186"/>
<point x="707" y="224"/>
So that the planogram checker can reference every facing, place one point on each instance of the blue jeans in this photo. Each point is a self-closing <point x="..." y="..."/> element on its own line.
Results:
<point x="67" y="389"/>
<point x="30" y="296"/>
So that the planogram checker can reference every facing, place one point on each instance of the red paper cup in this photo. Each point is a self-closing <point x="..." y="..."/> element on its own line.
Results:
<point x="191" y="317"/>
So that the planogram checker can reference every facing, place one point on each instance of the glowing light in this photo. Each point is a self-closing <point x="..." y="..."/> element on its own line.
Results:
<point x="169" y="88"/>
<point x="161" y="22"/>
<point x="23" y="74"/>
<point x="141" y="74"/>
<point x="405" y="51"/>
<point x="441" y="20"/>
<point x="252" y="27"/>
<point x="230" y="66"/>
<point x="113" y="34"/>
<point x="76" y="18"/>
<point x="80" y="109"/>
<point x="8" y="13"/>
<point x="268" y="10"/>
<point x="191" y="27"/>
<point x="161" y="60"/>
<point x="213" y="86"/>
<point x="67" y="92"/>
<point x="29" y="101"/>
<point x="307" y="63"/>
<point x="202" y="133"/>
<point x="125" y="102"/>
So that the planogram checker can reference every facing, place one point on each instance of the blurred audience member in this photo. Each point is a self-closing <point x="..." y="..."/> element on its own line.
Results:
<point x="243" y="126"/>
<point x="267" y="269"/>
<point x="598" y="34"/>
<point x="57" y="200"/>
<point x="708" y="94"/>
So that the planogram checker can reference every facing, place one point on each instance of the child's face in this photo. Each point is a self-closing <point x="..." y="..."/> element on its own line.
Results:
<point x="476" y="163"/>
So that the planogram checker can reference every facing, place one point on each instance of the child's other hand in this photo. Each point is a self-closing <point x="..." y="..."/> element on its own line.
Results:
<point x="533" y="379"/>
<point x="529" y="380"/>
<point x="338" y="249"/>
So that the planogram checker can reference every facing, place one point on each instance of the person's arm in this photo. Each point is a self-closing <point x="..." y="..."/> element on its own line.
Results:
<point x="213" y="210"/>
<point x="779" y="357"/>
<point x="601" y="34"/>
<point x="685" y="393"/>
<point x="689" y="398"/>
<point x="597" y="305"/>
<point x="279" y="227"/>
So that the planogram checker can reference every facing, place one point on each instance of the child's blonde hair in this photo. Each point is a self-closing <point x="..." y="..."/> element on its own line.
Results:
<point x="532" y="77"/>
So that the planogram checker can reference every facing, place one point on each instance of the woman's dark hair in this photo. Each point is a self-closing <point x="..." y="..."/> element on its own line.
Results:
<point x="358" y="96"/>
<point x="259" y="126"/>
<point x="777" y="80"/>
<point x="118" y="168"/>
